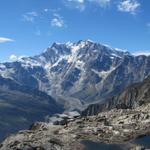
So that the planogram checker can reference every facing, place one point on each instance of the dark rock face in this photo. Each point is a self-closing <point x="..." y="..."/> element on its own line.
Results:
<point x="132" y="97"/>
<point x="20" y="106"/>
<point x="128" y="72"/>
<point x="70" y="79"/>
<point x="83" y="72"/>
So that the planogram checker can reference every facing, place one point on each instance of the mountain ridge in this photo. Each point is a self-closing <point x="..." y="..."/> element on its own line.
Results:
<point x="80" y="71"/>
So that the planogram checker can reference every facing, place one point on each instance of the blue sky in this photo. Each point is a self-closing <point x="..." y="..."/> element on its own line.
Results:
<point x="27" y="27"/>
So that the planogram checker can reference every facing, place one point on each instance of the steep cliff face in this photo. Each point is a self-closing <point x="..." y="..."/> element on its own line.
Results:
<point x="132" y="97"/>
<point x="78" y="73"/>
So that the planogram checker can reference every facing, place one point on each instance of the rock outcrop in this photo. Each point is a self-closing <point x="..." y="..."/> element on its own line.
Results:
<point x="114" y="126"/>
<point x="133" y="96"/>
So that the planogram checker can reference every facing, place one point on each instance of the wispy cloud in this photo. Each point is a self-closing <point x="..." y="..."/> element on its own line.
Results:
<point x="5" y="40"/>
<point x="77" y="4"/>
<point x="101" y="3"/>
<point x="45" y="15"/>
<point x="129" y="6"/>
<point x="57" y="21"/>
<point x="30" y="16"/>
<point x="81" y="4"/>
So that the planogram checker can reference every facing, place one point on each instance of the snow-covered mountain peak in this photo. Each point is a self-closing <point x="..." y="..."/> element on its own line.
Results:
<point x="85" y="42"/>
<point x="70" y="48"/>
<point x="69" y="44"/>
<point x="74" y="52"/>
<point x="84" y="70"/>
<point x="77" y="46"/>
<point x="71" y="53"/>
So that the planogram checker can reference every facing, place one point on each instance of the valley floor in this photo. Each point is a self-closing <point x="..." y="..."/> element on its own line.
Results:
<point x="117" y="126"/>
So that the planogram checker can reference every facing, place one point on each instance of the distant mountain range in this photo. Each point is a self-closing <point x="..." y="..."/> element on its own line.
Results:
<point x="77" y="74"/>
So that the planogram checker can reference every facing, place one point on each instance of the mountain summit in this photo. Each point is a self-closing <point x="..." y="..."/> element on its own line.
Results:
<point x="79" y="73"/>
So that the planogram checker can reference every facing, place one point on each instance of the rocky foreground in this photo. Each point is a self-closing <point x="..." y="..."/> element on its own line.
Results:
<point x="117" y="126"/>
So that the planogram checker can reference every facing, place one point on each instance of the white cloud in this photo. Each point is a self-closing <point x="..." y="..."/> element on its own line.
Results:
<point x="129" y="6"/>
<point x="13" y="57"/>
<point x="146" y="53"/>
<point x="30" y="16"/>
<point x="5" y="40"/>
<point x="57" y="21"/>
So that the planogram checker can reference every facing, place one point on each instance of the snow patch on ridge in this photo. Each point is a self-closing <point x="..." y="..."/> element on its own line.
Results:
<point x="29" y="62"/>
<point x="103" y="74"/>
